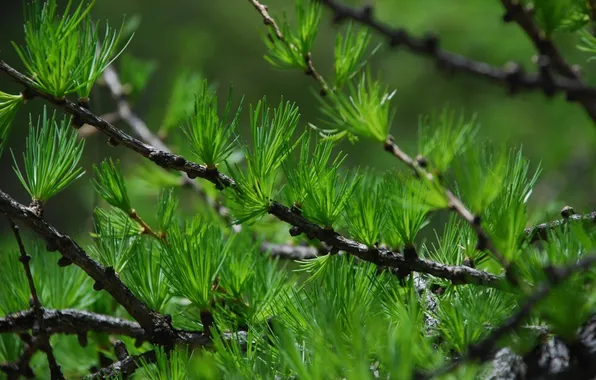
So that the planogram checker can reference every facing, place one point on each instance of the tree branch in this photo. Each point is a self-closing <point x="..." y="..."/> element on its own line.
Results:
<point x="38" y="326"/>
<point x="116" y="136"/>
<point x="310" y="68"/>
<point x="157" y="326"/>
<point x="383" y="256"/>
<point x="541" y="231"/>
<point x="512" y="75"/>
<point x="483" y="350"/>
<point x="70" y="321"/>
<point x="124" y="367"/>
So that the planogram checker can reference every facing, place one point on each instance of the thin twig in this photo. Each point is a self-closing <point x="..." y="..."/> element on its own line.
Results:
<point x="124" y="367"/>
<point x="70" y="321"/>
<point x="38" y="328"/>
<point x="483" y="350"/>
<point x="541" y="231"/>
<point x="512" y="75"/>
<point x="310" y="67"/>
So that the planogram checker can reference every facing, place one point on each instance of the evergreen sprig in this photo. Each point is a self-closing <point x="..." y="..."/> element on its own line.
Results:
<point x="292" y="51"/>
<point x="364" y="110"/>
<point x="110" y="184"/>
<point x="212" y="139"/>
<point x="349" y="50"/>
<point x="63" y="53"/>
<point x="9" y="105"/>
<point x="51" y="157"/>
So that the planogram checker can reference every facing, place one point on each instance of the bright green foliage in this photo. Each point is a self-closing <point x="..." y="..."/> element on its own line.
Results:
<point x="271" y="146"/>
<point x="116" y="219"/>
<point x="166" y="208"/>
<point x="181" y="101"/>
<point x="329" y="191"/>
<point x="457" y="243"/>
<point x="407" y="209"/>
<point x="211" y="137"/>
<point x="9" y="104"/>
<point x="10" y="348"/>
<point x="507" y="216"/>
<point x="349" y="50"/>
<point x="293" y="50"/>
<point x="135" y="73"/>
<point x="14" y="291"/>
<point x="51" y="157"/>
<point x="302" y="174"/>
<point x="367" y="210"/>
<point x="271" y="137"/>
<point x="168" y="366"/>
<point x="481" y="176"/>
<point x="577" y="293"/>
<point x="443" y="137"/>
<point x="110" y="185"/>
<point x="192" y="258"/>
<point x="57" y="288"/>
<point x="364" y="110"/>
<point x="114" y="247"/>
<point x="465" y="314"/>
<point x="564" y="15"/>
<point x="96" y="54"/>
<point x="145" y="275"/>
<point x="62" y="52"/>
<point x="587" y="43"/>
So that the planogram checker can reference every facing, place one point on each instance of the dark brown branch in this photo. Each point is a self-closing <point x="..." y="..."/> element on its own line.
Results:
<point x="541" y="231"/>
<point x="384" y="257"/>
<point x="38" y="326"/>
<point x="310" y="67"/>
<point x="116" y="136"/>
<point x="511" y="75"/>
<point x="139" y="311"/>
<point x="70" y="321"/>
<point x="483" y="350"/>
<point x="124" y="367"/>
<point x="158" y="328"/>
<point x="515" y="11"/>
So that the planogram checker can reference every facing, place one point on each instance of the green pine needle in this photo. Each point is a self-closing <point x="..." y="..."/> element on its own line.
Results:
<point x="114" y="247"/>
<point x="212" y="139"/>
<point x="291" y="53"/>
<point x="145" y="275"/>
<point x="192" y="258"/>
<point x="110" y="185"/>
<point x="443" y="137"/>
<point x="348" y="53"/>
<point x="408" y="201"/>
<point x="364" y="111"/>
<point x="367" y="210"/>
<point x="51" y="157"/>
<point x="9" y="105"/>
<point x="96" y="54"/>
<point x="167" y="206"/>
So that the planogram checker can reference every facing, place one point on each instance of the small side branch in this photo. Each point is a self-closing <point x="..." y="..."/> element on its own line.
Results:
<point x="38" y="328"/>
<point x="511" y="75"/>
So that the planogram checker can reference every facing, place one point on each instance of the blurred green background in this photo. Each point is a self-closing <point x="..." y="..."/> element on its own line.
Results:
<point x="222" y="41"/>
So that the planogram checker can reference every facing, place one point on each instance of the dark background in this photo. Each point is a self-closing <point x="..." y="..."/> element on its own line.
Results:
<point x="222" y="40"/>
